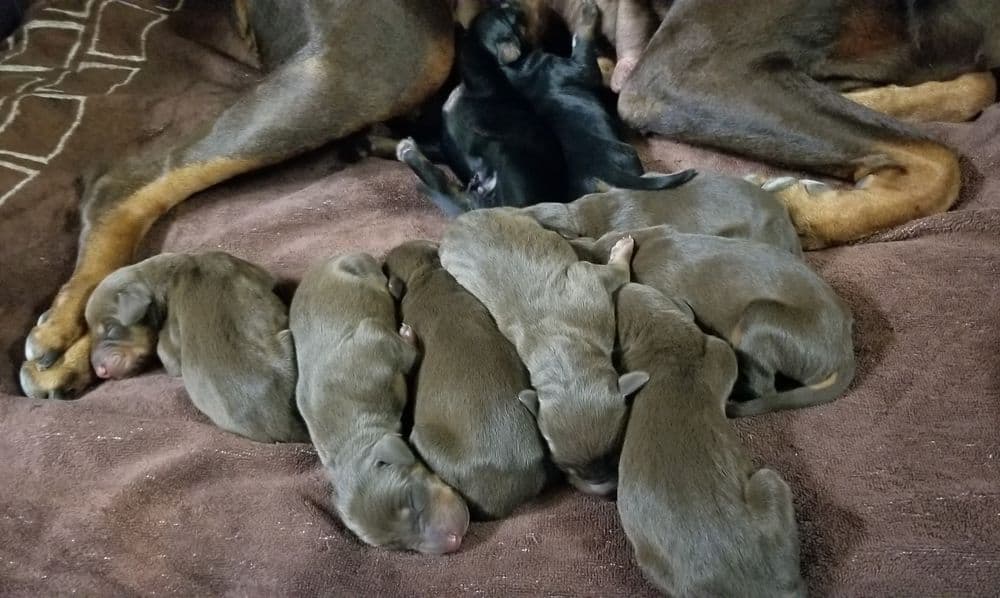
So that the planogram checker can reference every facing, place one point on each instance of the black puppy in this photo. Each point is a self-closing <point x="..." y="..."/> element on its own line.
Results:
<point x="566" y="93"/>
<point x="492" y="139"/>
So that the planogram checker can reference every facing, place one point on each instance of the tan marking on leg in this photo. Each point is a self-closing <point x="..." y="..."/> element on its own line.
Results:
<point x="828" y="382"/>
<point x="957" y="100"/>
<point x="924" y="180"/>
<point x="434" y="71"/>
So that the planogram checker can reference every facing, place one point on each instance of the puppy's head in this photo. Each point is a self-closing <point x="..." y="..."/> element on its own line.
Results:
<point x="123" y="327"/>
<point x="394" y="501"/>
<point x="406" y="260"/>
<point x="501" y="31"/>
<point x="583" y="428"/>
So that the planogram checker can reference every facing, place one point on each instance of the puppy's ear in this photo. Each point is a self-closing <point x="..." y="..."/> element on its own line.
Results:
<point x="134" y="302"/>
<point x="529" y="398"/>
<point x="392" y="450"/>
<point x="631" y="382"/>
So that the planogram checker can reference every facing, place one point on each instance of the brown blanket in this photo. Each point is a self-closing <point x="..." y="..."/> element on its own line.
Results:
<point x="129" y="490"/>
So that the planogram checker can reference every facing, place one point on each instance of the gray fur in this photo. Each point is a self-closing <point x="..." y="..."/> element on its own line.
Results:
<point x="702" y="519"/>
<point x="777" y="313"/>
<point x="352" y="392"/>
<point x="557" y="311"/>
<point x="216" y="322"/>
<point x="467" y="424"/>
<point x="709" y="204"/>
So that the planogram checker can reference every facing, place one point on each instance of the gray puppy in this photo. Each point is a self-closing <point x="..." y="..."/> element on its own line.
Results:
<point x="467" y="423"/>
<point x="352" y="392"/>
<point x="212" y="319"/>
<point x="557" y="311"/>
<point x="778" y="314"/>
<point x="710" y="204"/>
<point x="702" y="520"/>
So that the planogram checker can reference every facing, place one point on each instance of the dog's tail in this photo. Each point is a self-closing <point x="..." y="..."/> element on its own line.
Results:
<point x="643" y="183"/>
<point x="810" y="395"/>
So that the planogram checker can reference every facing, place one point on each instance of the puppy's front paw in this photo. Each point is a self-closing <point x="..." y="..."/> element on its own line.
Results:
<point x="63" y="378"/>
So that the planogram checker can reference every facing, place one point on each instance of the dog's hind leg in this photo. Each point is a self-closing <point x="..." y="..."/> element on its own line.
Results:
<point x="684" y="88"/>
<point x="311" y="99"/>
<point x="958" y="100"/>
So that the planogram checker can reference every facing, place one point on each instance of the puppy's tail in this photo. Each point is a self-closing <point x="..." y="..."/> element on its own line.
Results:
<point x="810" y="395"/>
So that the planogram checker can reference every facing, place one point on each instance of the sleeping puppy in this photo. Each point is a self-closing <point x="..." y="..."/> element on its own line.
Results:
<point x="784" y="321"/>
<point x="565" y="92"/>
<point x="711" y="204"/>
<point x="212" y="319"/>
<point x="557" y="312"/>
<point x="702" y="520"/>
<point x="467" y="424"/>
<point x="493" y="141"/>
<point x="352" y="392"/>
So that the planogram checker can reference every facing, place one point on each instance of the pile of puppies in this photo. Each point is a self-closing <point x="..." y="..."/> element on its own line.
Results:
<point x="627" y="323"/>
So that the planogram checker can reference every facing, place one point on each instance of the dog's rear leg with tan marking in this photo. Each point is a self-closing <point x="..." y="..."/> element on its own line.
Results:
<point x="918" y="179"/>
<point x="783" y="116"/>
<point x="958" y="100"/>
<point x="308" y="101"/>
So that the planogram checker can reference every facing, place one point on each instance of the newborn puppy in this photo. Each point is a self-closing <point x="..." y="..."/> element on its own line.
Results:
<point x="467" y="423"/>
<point x="702" y="520"/>
<point x="784" y="321"/>
<point x="351" y="392"/>
<point x="565" y="92"/>
<point x="212" y="319"/>
<point x="557" y="311"/>
<point x="493" y="141"/>
<point x="711" y="204"/>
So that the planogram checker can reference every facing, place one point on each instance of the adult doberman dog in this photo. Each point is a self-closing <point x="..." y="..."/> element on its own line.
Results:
<point x="765" y="82"/>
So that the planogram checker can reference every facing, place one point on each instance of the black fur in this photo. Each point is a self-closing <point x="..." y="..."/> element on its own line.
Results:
<point x="566" y="92"/>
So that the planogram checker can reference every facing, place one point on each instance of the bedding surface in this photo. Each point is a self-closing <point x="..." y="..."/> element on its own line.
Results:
<point x="129" y="490"/>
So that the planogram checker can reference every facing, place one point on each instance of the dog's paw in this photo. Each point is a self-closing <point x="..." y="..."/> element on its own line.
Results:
<point x="405" y="147"/>
<point x="53" y="334"/>
<point x="63" y="377"/>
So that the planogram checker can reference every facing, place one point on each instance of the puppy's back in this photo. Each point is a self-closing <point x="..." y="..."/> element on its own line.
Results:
<point x="468" y="424"/>
<point x="237" y="354"/>
<point x="702" y="522"/>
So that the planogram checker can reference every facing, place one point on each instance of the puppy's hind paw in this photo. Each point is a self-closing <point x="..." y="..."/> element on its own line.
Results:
<point x="404" y="147"/>
<point x="406" y="331"/>
<point x="621" y="251"/>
